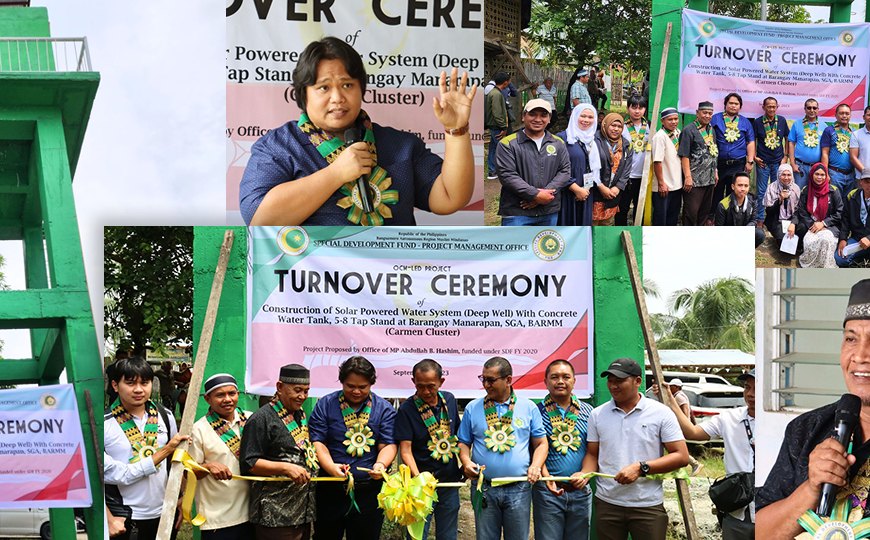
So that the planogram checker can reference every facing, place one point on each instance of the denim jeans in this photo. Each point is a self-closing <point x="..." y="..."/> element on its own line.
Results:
<point x="446" y="512"/>
<point x="802" y="178"/>
<point x="508" y="509"/>
<point x="763" y="176"/>
<point x="493" y="142"/>
<point x="844" y="182"/>
<point x="512" y="221"/>
<point x="666" y="211"/>
<point x="565" y="517"/>
<point x="858" y="256"/>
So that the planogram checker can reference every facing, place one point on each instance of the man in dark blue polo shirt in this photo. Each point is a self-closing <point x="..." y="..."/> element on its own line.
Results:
<point x="426" y="425"/>
<point x="770" y="132"/>
<point x="835" y="150"/>
<point x="352" y="428"/>
<point x="735" y="138"/>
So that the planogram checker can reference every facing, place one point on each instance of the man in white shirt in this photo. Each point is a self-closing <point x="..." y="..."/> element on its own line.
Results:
<point x="859" y="146"/>
<point x="139" y="436"/>
<point x="667" y="197"/>
<point x="625" y="439"/>
<point x="215" y="441"/>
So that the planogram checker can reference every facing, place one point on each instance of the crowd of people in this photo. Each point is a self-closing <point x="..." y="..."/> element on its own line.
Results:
<point x="281" y="451"/>
<point x="810" y="180"/>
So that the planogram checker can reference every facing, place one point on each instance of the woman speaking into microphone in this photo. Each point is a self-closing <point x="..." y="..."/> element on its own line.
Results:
<point x="304" y="173"/>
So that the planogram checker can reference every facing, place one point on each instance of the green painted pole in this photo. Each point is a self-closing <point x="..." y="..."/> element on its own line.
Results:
<point x="840" y="13"/>
<point x="664" y="12"/>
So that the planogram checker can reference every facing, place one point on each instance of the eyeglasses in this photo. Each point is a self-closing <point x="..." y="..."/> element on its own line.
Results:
<point x="811" y="108"/>
<point x="487" y="381"/>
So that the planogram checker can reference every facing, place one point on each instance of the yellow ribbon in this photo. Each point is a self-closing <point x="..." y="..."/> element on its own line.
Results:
<point x="191" y="467"/>
<point x="408" y="501"/>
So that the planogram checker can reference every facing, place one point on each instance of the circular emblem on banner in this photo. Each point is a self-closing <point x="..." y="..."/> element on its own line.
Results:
<point x="48" y="401"/>
<point x="548" y="245"/>
<point x="847" y="38"/>
<point x="707" y="28"/>
<point x="293" y="240"/>
<point x="835" y="530"/>
<point x="551" y="149"/>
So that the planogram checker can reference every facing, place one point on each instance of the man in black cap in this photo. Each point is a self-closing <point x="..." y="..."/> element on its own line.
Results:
<point x="214" y="442"/>
<point x="625" y="439"/>
<point x="736" y="428"/>
<point x="809" y="457"/>
<point x="275" y="443"/>
<point x="698" y="153"/>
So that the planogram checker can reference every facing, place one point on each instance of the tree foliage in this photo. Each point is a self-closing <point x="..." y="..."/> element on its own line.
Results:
<point x="148" y="274"/>
<point x="789" y="13"/>
<point x="718" y="314"/>
<point x="572" y="31"/>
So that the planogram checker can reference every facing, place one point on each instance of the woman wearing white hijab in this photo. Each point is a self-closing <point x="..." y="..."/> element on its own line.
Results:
<point x="585" y="166"/>
<point x="781" y="200"/>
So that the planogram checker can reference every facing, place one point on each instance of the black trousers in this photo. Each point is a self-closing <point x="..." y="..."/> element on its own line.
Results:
<point x="723" y="186"/>
<point x="143" y="529"/>
<point x="629" y="196"/>
<point x="771" y="221"/>
<point x="333" y="519"/>
<point x="242" y="531"/>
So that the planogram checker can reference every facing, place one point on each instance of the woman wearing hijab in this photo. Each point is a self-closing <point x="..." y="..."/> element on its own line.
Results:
<point x="585" y="166"/>
<point x="781" y="200"/>
<point x="615" y="167"/>
<point x="817" y="219"/>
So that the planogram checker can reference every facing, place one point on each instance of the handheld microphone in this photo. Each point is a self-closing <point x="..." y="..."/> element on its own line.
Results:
<point x="351" y="136"/>
<point x="845" y="421"/>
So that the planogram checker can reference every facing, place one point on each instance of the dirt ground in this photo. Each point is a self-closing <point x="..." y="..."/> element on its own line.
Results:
<point x="768" y="255"/>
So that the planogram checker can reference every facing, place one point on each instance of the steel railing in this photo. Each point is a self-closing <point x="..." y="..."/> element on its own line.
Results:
<point x="26" y="55"/>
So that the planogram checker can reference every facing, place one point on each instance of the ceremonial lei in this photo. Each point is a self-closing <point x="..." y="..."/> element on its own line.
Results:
<point x="299" y="431"/>
<point x="142" y="446"/>
<point x="637" y="136"/>
<point x="707" y="134"/>
<point x="843" y="138"/>
<point x="732" y="133"/>
<point x="442" y="445"/>
<point x="770" y="139"/>
<point x="224" y="429"/>
<point x="565" y="434"/>
<point x="811" y="136"/>
<point x="674" y="136"/>
<point x="330" y="148"/>
<point x="359" y="435"/>
<point x="500" y="435"/>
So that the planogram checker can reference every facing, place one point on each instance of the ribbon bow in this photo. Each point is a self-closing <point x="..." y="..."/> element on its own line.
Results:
<point x="408" y="501"/>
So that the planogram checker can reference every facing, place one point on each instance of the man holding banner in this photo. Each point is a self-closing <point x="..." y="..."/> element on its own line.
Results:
<point x="735" y="139"/>
<point x="771" y="130"/>
<point x="275" y="443"/>
<point x="214" y="443"/>
<point x="804" y="149"/>
<point x="502" y="435"/>
<point x="426" y="427"/>
<point x="562" y="509"/>
<point x="138" y="436"/>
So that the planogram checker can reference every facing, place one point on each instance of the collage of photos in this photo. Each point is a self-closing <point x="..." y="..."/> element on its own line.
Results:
<point x="474" y="269"/>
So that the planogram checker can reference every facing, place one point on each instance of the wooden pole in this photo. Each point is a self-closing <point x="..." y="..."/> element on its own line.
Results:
<point x="173" y="487"/>
<point x="653" y="121"/>
<point x="93" y="423"/>
<point x="653" y="351"/>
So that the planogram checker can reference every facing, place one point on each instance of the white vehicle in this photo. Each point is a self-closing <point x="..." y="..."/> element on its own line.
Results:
<point x="21" y="522"/>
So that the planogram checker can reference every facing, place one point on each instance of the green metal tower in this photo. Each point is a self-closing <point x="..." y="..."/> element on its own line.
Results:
<point x="47" y="90"/>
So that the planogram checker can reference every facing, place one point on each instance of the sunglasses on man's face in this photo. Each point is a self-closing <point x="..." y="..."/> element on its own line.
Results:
<point x="811" y="108"/>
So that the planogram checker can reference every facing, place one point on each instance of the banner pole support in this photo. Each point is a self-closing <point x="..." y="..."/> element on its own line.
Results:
<point x="173" y="486"/>
<point x="685" y="500"/>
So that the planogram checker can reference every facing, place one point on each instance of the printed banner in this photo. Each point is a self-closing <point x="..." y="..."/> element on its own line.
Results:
<point x="460" y="296"/>
<point x="404" y="45"/>
<point x="791" y="62"/>
<point x="42" y="461"/>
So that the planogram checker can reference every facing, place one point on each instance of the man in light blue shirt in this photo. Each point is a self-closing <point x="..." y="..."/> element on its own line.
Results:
<point x="804" y="143"/>
<point x="562" y="508"/>
<point x="835" y="150"/>
<point x="547" y="92"/>
<point x="508" y="441"/>
<point x="579" y="92"/>
<point x="859" y="146"/>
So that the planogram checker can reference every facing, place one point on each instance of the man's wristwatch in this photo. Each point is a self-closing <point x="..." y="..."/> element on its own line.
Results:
<point x="644" y="468"/>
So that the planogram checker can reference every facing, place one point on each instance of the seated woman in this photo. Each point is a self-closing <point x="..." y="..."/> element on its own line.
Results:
<point x="579" y="137"/>
<point x="781" y="200"/>
<point x="615" y="167"/>
<point x="304" y="173"/>
<point x="817" y="219"/>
